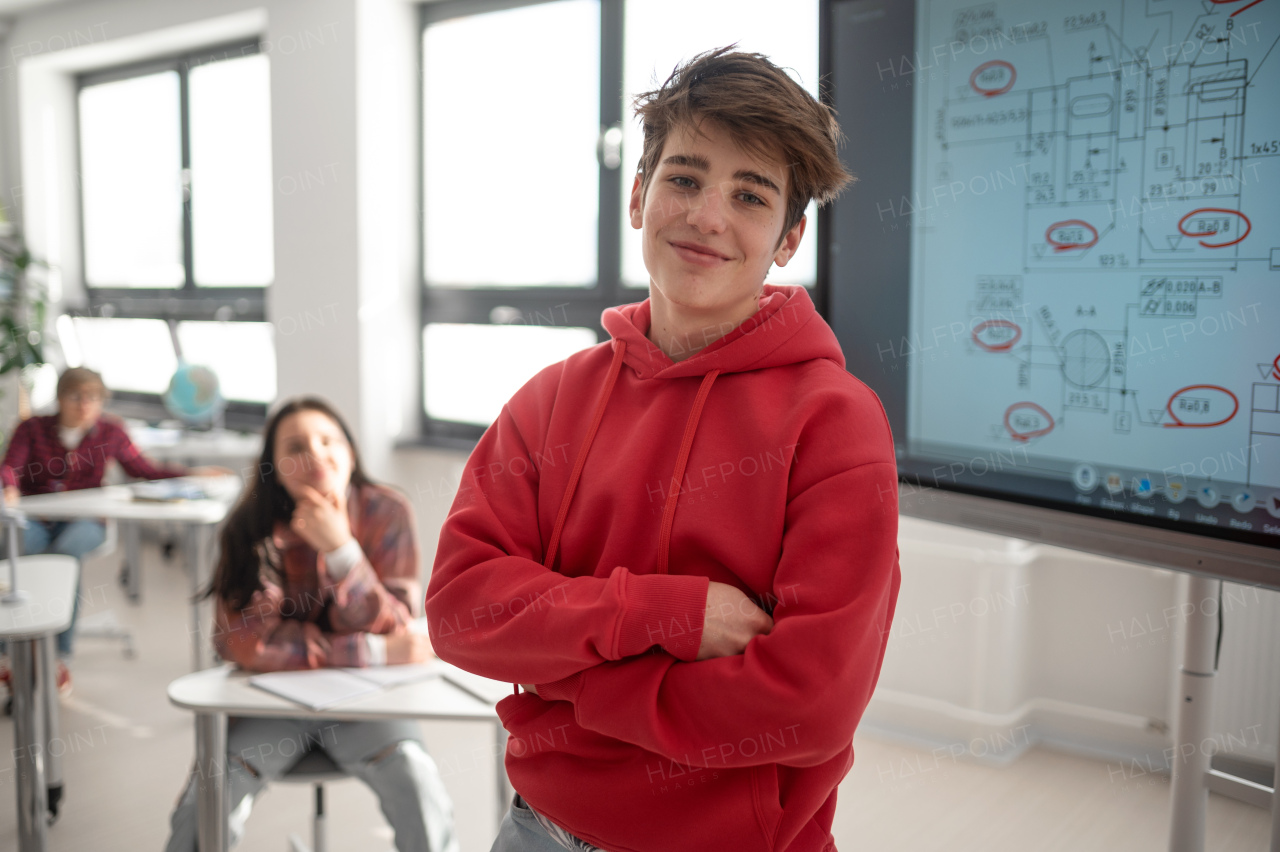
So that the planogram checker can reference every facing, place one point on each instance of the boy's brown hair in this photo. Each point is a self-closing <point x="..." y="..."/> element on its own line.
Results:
<point x="762" y="108"/>
<point x="75" y="378"/>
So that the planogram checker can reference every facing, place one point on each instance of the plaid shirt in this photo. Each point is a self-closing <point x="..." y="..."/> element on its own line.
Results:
<point x="37" y="462"/>
<point x="307" y="620"/>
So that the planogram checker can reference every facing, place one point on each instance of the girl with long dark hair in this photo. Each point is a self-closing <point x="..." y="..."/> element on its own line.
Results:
<point x="319" y="567"/>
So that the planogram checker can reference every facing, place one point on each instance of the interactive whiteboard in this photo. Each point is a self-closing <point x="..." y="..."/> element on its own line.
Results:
<point x="1077" y="239"/>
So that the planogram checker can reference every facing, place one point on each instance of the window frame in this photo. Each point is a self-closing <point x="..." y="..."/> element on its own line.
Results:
<point x="188" y="301"/>
<point x="576" y="306"/>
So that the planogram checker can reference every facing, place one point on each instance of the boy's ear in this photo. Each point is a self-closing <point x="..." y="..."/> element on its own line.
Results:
<point x="636" y="205"/>
<point x="790" y="242"/>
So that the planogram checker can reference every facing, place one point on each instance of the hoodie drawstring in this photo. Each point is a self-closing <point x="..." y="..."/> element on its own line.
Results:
<point x="669" y="511"/>
<point x="682" y="459"/>
<point x="619" y="350"/>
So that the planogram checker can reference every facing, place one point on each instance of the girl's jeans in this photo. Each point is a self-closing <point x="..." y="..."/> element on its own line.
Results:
<point x="386" y="755"/>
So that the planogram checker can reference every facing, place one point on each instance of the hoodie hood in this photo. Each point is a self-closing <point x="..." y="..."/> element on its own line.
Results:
<point x="785" y="330"/>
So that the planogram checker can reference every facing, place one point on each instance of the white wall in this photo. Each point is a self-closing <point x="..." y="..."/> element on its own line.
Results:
<point x="387" y="133"/>
<point x="1070" y="658"/>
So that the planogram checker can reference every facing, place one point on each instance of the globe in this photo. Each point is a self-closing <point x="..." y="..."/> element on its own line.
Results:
<point x="193" y="395"/>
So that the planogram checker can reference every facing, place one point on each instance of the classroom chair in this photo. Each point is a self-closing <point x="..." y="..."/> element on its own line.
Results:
<point x="314" y="768"/>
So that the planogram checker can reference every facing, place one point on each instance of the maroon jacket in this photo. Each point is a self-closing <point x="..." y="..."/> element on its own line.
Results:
<point x="37" y="462"/>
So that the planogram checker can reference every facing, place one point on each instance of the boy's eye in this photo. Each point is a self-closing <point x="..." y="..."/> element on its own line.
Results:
<point x="684" y="182"/>
<point x="751" y="198"/>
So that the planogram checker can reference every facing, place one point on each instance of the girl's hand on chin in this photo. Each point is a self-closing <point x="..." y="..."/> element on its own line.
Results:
<point x="321" y="520"/>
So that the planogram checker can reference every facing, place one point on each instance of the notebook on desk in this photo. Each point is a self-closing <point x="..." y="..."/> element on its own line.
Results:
<point x="319" y="689"/>
<point x="167" y="491"/>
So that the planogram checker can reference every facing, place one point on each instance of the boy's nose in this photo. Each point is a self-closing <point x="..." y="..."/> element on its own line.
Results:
<point x="708" y="213"/>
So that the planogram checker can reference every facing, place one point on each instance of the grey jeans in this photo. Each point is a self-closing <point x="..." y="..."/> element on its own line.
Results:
<point x="388" y="756"/>
<point x="521" y="832"/>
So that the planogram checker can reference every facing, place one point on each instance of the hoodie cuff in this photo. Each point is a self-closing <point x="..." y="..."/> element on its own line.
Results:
<point x="565" y="689"/>
<point x="666" y="610"/>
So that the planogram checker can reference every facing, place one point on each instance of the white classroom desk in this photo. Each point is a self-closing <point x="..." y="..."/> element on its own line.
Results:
<point x="215" y="694"/>
<point x="115" y="502"/>
<point x="49" y="582"/>
<point x="191" y="447"/>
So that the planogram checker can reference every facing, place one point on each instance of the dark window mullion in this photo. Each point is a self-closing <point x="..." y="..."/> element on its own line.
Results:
<point x="609" y="243"/>
<point x="557" y="308"/>
<point x="826" y="72"/>
<point x="243" y="303"/>
<point x="184" y="117"/>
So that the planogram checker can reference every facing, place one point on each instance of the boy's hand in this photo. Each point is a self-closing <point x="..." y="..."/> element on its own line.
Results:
<point x="12" y="495"/>
<point x="731" y="621"/>
<point x="321" y="521"/>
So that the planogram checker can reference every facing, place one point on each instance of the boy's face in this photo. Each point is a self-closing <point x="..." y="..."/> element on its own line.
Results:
<point x="712" y="218"/>
<point x="80" y="407"/>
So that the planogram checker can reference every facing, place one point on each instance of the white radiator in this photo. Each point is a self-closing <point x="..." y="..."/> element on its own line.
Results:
<point x="1246" y="712"/>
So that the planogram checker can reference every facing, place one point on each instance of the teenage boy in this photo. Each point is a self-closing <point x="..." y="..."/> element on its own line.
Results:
<point x="698" y="606"/>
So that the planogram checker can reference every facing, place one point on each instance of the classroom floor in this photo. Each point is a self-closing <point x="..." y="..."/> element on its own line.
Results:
<point x="127" y="753"/>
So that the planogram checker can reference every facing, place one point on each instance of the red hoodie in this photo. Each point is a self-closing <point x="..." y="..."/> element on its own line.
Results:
<point x="577" y="555"/>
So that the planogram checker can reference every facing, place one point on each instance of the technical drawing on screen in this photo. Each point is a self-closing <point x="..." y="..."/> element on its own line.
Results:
<point x="1095" y="265"/>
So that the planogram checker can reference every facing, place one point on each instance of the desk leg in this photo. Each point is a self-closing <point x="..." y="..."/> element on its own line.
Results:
<point x="28" y="744"/>
<point x="211" y="778"/>
<point x="47" y="680"/>
<point x="131" y="533"/>
<point x="505" y="790"/>
<point x="195" y="543"/>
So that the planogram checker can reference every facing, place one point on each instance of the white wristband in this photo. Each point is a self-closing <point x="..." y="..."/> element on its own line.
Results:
<point x="376" y="644"/>
<point x="340" y="562"/>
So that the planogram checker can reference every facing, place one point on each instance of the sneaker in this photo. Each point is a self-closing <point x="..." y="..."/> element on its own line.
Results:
<point x="64" y="680"/>
<point x="6" y="677"/>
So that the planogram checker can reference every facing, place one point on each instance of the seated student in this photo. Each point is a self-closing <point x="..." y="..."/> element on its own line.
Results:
<point x="319" y="567"/>
<point x="697" y="607"/>
<point x="65" y="451"/>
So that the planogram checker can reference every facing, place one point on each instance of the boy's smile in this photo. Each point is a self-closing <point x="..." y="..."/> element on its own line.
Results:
<point x="712" y="217"/>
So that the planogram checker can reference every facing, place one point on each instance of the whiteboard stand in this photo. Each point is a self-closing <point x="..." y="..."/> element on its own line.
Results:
<point x="1191" y="729"/>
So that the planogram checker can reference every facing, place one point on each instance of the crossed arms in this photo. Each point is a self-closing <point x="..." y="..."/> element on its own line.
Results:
<point x="724" y="669"/>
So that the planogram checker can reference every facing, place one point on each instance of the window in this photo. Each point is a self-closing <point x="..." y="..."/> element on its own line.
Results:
<point x="242" y="354"/>
<point x="176" y="223"/>
<point x="138" y="356"/>
<point x="528" y="154"/>
<point x="133" y="355"/>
